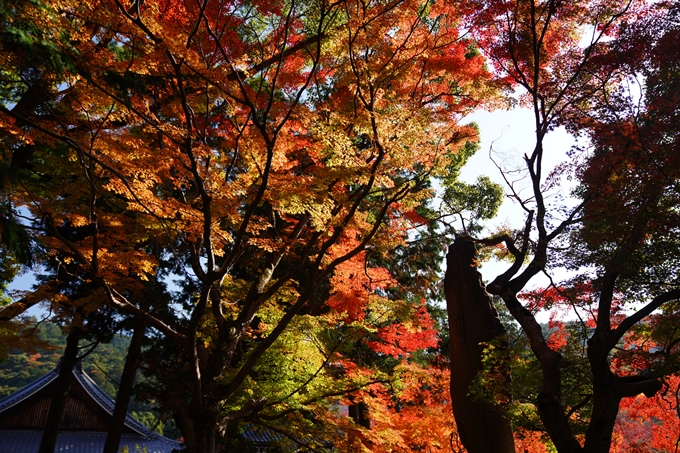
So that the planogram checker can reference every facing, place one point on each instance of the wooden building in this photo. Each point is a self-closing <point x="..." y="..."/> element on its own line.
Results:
<point x="88" y="414"/>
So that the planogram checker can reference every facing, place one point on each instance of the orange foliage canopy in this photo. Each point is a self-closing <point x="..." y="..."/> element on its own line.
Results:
<point x="253" y="151"/>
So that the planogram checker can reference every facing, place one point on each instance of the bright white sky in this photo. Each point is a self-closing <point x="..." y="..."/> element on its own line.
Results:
<point x="512" y="135"/>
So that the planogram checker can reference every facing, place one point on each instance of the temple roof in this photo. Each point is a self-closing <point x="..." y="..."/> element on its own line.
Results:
<point x="22" y="415"/>
<point x="86" y="421"/>
<point x="28" y="441"/>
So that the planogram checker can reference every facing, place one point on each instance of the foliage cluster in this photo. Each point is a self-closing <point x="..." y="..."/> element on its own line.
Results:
<point x="235" y="176"/>
<point x="251" y="182"/>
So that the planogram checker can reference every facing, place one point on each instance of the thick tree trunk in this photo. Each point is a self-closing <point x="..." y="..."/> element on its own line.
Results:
<point x="58" y="404"/>
<point x="601" y="427"/>
<point x="127" y="380"/>
<point x="608" y="391"/>
<point x="472" y="320"/>
<point x="207" y="440"/>
<point x="200" y="430"/>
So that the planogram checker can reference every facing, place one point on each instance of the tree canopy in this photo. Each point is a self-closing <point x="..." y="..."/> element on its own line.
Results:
<point x="575" y="63"/>
<point x="253" y="184"/>
<point x="234" y="175"/>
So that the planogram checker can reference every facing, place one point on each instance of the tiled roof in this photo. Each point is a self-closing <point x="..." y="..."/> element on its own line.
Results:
<point x="259" y="435"/>
<point x="28" y="441"/>
<point x="30" y="389"/>
<point x="107" y="403"/>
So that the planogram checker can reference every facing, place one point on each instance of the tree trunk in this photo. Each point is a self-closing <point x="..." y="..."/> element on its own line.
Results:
<point x="127" y="380"/>
<point x="200" y="430"/>
<point x="472" y="320"/>
<point x="58" y="403"/>
<point x="608" y="390"/>
<point x="206" y="439"/>
<point x="605" y="409"/>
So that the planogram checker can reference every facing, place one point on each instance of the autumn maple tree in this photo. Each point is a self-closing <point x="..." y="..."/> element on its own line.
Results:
<point x="573" y="63"/>
<point x="230" y="175"/>
<point x="249" y="184"/>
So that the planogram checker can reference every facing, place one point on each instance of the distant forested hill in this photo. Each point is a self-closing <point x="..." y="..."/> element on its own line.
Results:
<point x="104" y="364"/>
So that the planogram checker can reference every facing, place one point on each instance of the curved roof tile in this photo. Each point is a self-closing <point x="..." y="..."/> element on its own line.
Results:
<point x="28" y="440"/>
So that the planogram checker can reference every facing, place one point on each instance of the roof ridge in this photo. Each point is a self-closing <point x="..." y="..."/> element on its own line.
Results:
<point x="108" y="404"/>
<point x="98" y="395"/>
<point x="29" y="389"/>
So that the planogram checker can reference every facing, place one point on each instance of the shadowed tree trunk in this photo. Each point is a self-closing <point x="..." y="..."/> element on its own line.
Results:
<point x="127" y="380"/>
<point x="472" y="320"/>
<point x="199" y="428"/>
<point x="58" y="403"/>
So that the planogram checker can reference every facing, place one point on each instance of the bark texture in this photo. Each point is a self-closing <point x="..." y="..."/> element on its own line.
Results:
<point x="199" y="428"/>
<point x="127" y="380"/>
<point x="472" y="320"/>
<point x="60" y="395"/>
